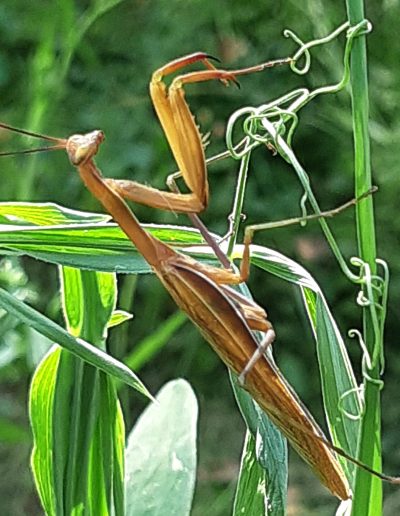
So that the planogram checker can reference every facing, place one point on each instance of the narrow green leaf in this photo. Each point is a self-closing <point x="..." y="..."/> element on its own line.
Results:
<point x="339" y="386"/>
<point x="336" y="384"/>
<point x="102" y="246"/>
<point x="40" y="410"/>
<point x="45" y="214"/>
<point x="118" y="317"/>
<point x="270" y="452"/>
<point x="250" y="498"/>
<point x="78" y="346"/>
<point x="161" y="455"/>
<point x="83" y="417"/>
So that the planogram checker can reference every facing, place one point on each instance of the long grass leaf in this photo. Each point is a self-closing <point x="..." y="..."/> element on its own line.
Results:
<point x="79" y="347"/>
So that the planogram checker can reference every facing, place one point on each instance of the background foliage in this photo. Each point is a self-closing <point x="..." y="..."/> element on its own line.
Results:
<point x="87" y="67"/>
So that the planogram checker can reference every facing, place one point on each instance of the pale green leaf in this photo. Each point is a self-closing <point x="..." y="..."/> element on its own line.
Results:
<point x="161" y="455"/>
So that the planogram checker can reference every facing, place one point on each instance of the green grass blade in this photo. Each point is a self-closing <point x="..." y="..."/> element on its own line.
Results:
<point x="337" y="378"/>
<point x="368" y="489"/>
<point x="271" y="456"/>
<point x="78" y="346"/>
<point x="45" y="214"/>
<point x="40" y="405"/>
<point x="118" y="317"/>
<point x="250" y="496"/>
<point x="83" y="419"/>
<point x="76" y="239"/>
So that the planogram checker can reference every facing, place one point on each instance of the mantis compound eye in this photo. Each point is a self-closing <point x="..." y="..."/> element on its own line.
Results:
<point x="82" y="147"/>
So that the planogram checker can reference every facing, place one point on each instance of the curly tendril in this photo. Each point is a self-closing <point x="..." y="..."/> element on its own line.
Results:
<point x="273" y="124"/>
<point x="358" y="391"/>
<point x="373" y="297"/>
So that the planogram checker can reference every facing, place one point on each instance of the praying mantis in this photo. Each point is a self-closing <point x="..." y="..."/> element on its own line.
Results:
<point x="224" y="317"/>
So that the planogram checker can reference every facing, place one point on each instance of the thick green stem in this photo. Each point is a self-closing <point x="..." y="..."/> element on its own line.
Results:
<point x="368" y="489"/>
<point x="236" y="214"/>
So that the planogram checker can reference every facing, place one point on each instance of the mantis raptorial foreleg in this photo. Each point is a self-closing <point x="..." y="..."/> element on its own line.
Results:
<point x="185" y="141"/>
<point x="182" y="134"/>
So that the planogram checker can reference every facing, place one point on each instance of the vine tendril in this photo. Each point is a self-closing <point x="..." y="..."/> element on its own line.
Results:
<point x="273" y="124"/>
<point x="358" y="390"/>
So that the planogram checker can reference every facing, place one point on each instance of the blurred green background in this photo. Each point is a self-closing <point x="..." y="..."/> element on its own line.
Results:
<point x="69" y="67"/>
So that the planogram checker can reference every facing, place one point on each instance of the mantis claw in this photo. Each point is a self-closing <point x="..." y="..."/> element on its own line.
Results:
<point x="209" y="56"/>
<point x="236" y="83"/>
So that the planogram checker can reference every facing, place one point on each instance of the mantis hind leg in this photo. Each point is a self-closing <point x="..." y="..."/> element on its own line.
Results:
<point x="258" y="353"/>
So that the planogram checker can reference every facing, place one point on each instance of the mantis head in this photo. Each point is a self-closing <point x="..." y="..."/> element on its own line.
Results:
<point x="82" y="147"/>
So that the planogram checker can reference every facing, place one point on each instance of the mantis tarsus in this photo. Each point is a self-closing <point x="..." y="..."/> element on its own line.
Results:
<point x="223" y="316"/>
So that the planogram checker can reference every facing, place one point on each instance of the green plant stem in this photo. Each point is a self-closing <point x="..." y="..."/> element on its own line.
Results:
<point x="50" y="67"/>
<point x="287" y="153"/>
<point x="367" y="490"/>
<point x="237" y="209"/>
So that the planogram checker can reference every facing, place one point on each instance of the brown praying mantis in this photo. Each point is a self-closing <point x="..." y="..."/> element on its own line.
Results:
<point x="224" y="317"/>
